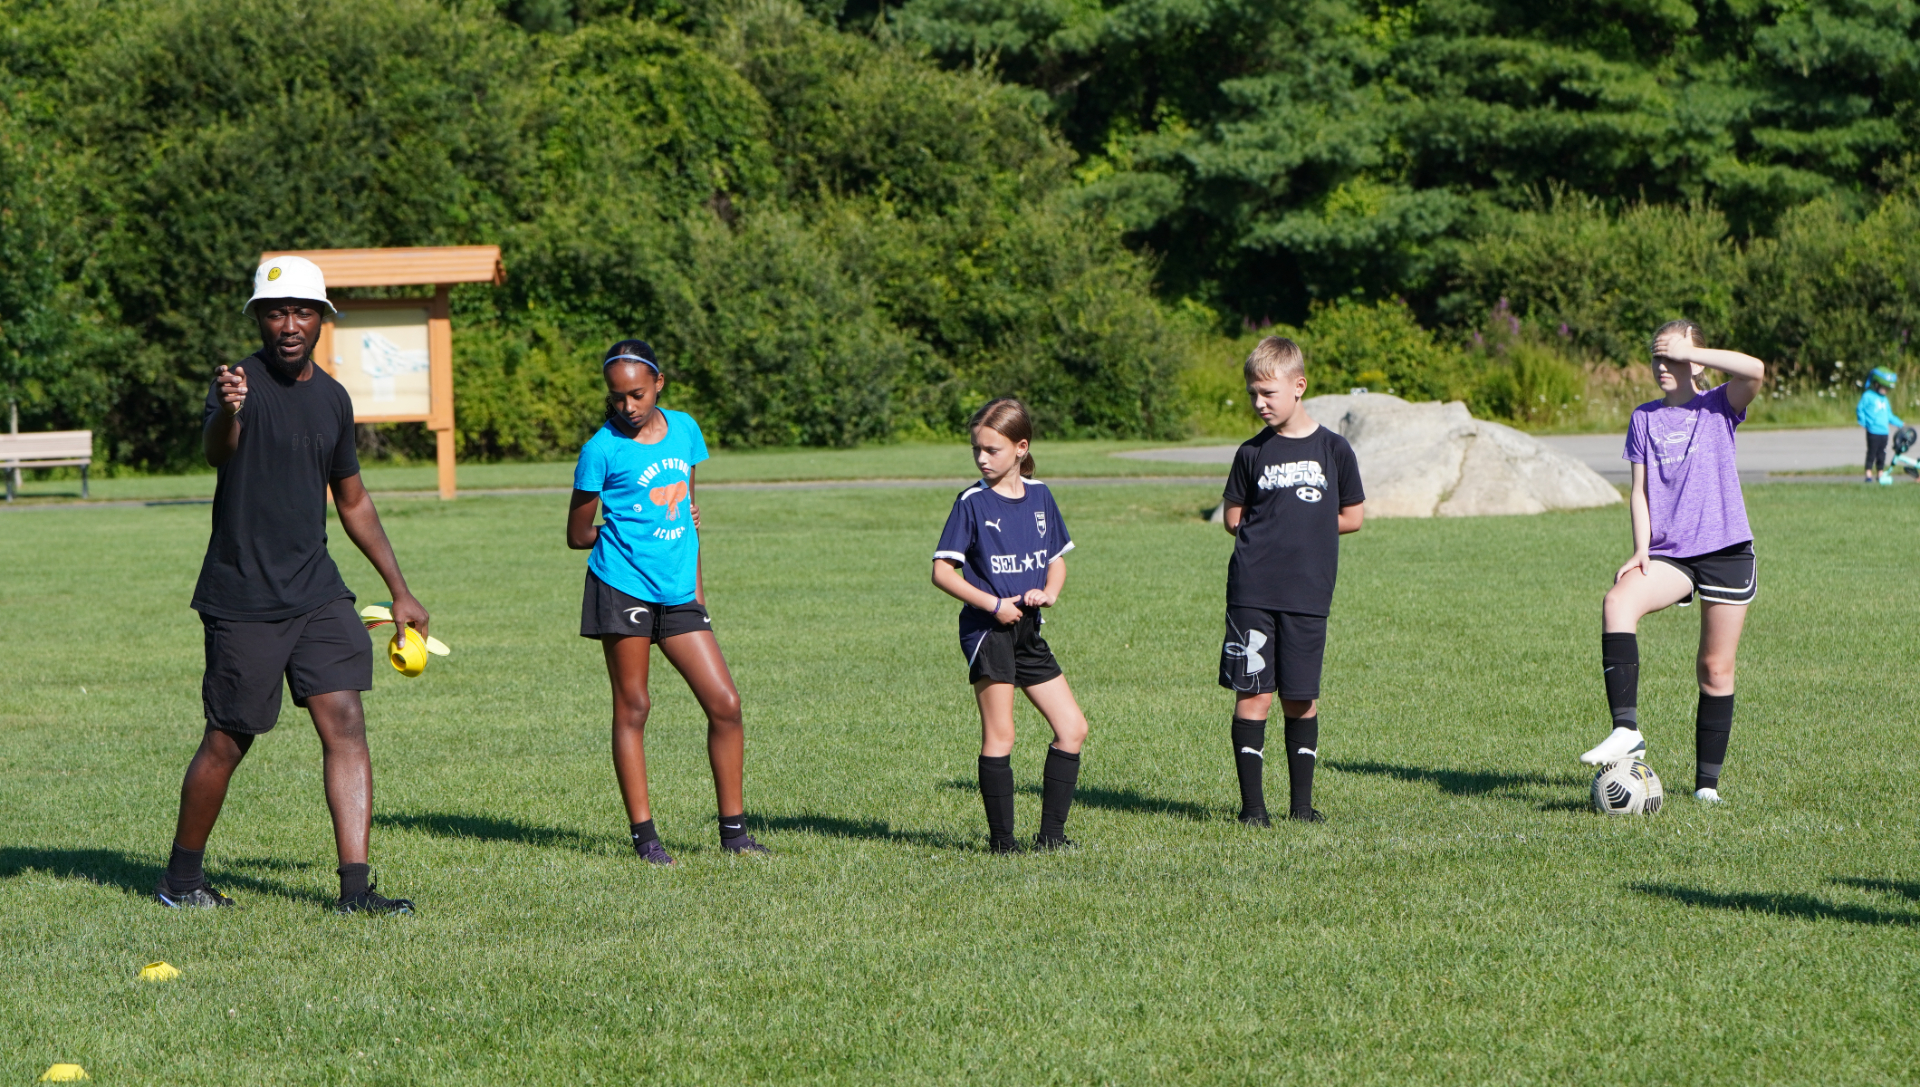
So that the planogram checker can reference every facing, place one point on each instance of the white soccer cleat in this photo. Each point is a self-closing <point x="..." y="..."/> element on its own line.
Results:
<point x="1621" y="743"/>
<point x="1708" y="796"/>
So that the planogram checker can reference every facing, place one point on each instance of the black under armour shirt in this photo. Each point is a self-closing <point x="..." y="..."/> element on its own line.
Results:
<point x="267" y="557"/>
<point x="1287" y="551"/>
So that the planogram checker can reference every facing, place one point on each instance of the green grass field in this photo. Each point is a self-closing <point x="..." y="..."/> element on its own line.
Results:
<point x="1462" y="918"/>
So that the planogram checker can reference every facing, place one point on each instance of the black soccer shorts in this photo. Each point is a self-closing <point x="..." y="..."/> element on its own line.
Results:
<point x="1268" y="651"/>
<point x="606" y="611"/>
<point x="323" y="651"/>
<point x="1015" y="654"/>
<point x="1730" y="575"/>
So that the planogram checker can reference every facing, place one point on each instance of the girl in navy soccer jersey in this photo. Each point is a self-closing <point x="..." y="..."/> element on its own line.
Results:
<point x="644" y="586"/>
<point x="1003" y="556"/>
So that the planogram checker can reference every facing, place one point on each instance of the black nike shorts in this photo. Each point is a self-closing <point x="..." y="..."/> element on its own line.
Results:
<point x="1730" y="575"/>
<point x="1268" y="651"/>
<point x="323" y="651"/>
<point x="606" y="611"/>
<point x="1015" y="654"/>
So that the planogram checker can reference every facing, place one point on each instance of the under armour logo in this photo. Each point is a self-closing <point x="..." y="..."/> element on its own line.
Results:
<point x="634" y="614"/>
<point x="1256" y="641"/>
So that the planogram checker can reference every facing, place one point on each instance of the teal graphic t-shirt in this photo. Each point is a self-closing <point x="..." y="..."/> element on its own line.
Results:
<point x="648" y="547"/>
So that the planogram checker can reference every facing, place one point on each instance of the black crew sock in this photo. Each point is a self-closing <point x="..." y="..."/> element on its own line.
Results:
<point x="353" y="880"/>
<point x="184" y="873"/>
<point x="1249" y="760"/>
<point x="1061" y="774"/>
<point x="1712" y="725"/>
<point x="1620" y="662"/>
<point x="731" y="827"/>
<point x="996" y="792"/>
<point x="1303" y="750"/>
<point x="642" y="833"/>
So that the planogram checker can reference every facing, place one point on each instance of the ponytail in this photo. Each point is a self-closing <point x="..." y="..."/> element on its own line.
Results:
<point x="1008" y="418"/>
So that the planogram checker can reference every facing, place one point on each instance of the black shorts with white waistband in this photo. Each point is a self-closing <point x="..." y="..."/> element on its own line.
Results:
<point x="607" y="612"/>
<point x="1730" y="575"/>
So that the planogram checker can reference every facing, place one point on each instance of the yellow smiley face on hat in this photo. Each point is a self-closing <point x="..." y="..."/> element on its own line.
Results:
<point x="273" y="273"/>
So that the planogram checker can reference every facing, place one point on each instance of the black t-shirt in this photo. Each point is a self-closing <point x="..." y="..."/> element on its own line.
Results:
<point x="1288" y="548"/>
<point x="267" y="558"/>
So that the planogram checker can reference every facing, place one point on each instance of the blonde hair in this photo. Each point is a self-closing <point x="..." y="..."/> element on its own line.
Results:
<point x="1009" y="418"/>
<point x="1697" y="338"/>
<point x="1275" y="357"/>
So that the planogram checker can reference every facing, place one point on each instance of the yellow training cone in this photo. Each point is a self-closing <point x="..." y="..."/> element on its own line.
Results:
<point x="63" y="1073"/>
<point x="409" y="657"/>
<point x="437" y="647"/>
<point x="159" y="971"/>
<point x="375" y="614"/>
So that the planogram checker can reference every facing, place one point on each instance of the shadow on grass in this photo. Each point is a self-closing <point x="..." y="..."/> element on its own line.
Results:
<point x="1805" y="907"/>
<point x="1127" y="800"/>
<point x="1476" y="782"/>
<point x="137" y="875"/>
<point x="486" y="828"/>
<point x="1909" y="891"/>
<point x="875" y="830"/>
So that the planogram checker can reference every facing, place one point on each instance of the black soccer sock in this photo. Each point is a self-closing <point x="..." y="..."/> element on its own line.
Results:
<point x="184" y="874"/>
<point x="1712" y="725"/>
<point x="1620" y="661"/>
<point x="1249" y="760"/>
<point x="731" y="827"/>
<point x="353" y="880"/>
<point x="1303" y="750"/>
<point x="996" y="792"/>
<point x="1062" y="773"/>
<point x="642" y="833"/>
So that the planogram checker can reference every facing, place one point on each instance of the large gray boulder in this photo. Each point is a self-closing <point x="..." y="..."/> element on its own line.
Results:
<point x="1436" y="460"/>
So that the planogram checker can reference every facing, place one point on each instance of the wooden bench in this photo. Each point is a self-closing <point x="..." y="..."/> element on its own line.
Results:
<point x="47" y="449"/>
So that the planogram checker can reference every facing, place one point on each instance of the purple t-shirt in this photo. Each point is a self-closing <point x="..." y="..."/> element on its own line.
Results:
<point x="1693" y="485"/>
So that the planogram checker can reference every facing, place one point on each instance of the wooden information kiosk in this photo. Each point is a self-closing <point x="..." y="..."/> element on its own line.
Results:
<point x="395" y="355"/>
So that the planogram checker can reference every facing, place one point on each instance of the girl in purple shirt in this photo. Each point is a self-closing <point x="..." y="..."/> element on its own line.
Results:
<point x="1690" y="538"/>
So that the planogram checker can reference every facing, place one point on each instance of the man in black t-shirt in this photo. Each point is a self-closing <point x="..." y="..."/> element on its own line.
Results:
<point x="279" y="430"/>
<point x="1293" y="490"/>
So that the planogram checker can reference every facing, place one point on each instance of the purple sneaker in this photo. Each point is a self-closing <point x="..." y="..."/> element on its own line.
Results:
<point x="744" y="846"/>
<point x="653" y="852"/>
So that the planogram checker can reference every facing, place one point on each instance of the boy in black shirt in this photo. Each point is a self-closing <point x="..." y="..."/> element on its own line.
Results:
<point x="1293" y="491"/>
<point x="280" y="432"/>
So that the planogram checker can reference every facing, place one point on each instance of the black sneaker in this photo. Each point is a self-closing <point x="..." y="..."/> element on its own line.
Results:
<point x="1050" y="845"/>
<point x="1255" y="819"/>
<point x="202" y="897"/>
<point x="372" y="902"/>
<point x="1004" y="846"/>
<point x="1311" y="815"/>
<point x="653" y="852"/>
<point x="744" y="846"/>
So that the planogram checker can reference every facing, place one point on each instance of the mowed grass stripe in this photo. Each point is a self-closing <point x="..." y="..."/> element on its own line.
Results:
<point x="1463" y="918"/>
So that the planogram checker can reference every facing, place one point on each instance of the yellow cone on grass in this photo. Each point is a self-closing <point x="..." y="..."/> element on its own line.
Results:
<point x="63" y="1073"/>
<point x="159" y="971"/>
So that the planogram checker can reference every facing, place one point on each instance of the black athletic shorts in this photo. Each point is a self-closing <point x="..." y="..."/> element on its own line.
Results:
<point x="1730" y="575"/>
<point x="1015" y="654"/>
<point x="605" y="610"/>
<point x="1269" y="651"/>
<point x="323" y="651"/>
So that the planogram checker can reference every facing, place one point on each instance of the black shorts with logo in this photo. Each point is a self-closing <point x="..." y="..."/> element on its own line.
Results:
<point x="1015" y="654"/>
<point x="1730" y="575"/>
<point x="1267" y="651"/>
<point x="605" y="611"/>
<point x="323" y="651"/>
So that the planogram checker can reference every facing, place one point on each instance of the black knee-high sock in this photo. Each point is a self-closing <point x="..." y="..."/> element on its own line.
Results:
<point x="996" y="792"/>
<point x="184" y="874"/>
<point x="1712" y="724"/>
<point x="1062" y="773"/>
<point x="1620" y="660"/>
<point x="1249" y="760"/>
<point x="1303" y="750"/>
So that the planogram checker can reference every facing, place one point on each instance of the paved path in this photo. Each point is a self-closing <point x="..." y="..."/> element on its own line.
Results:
<point x="1761" y="452"/>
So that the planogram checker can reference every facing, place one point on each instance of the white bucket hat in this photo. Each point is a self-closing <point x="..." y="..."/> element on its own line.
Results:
<point x="288" y="277"/>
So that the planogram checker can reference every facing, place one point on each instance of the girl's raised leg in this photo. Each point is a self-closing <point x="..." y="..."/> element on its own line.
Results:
<point x="627" y="663"/>
<point x="996" y="763"/>
<point x="1055" y="701"/>
<point x="1639" y="592"/>
<point x="1720" y="626"/>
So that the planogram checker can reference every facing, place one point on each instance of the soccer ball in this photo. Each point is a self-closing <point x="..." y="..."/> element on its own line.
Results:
<point x="1627" y="788"/>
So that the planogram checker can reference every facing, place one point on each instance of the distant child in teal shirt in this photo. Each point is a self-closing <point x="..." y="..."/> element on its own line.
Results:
<point x="1876" y="415"/>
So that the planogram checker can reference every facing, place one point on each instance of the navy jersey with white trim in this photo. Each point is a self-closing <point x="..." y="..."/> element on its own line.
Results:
<point x="1001" y="544"/>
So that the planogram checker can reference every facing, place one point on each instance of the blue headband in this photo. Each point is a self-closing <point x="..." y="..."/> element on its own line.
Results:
<point x="635" y="358"/>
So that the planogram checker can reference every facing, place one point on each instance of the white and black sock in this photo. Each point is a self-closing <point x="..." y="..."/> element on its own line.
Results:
<point x="1303" y="751"/>
<point x="1249" y="762"/>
